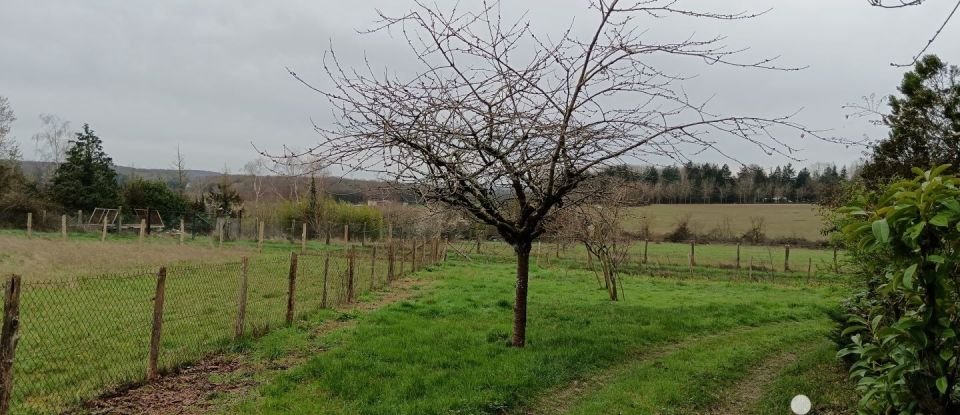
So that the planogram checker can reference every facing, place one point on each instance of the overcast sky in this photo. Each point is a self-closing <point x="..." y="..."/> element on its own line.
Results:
<point x="209" y="75"/>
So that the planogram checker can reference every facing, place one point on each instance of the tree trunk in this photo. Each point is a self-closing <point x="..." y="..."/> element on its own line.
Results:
<point x="520" y="303"/>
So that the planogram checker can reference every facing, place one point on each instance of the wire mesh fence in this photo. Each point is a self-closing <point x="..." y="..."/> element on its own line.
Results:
<point x="80" y="337"/>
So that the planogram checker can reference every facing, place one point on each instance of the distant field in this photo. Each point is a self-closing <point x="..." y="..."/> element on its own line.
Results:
<point x="782" y="221"/>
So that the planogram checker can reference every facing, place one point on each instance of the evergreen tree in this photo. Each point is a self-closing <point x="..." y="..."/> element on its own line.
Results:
<point x="924" y="124"/>
<point x="87" y="179"/>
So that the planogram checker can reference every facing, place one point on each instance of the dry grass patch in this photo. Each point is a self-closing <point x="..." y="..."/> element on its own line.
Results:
<point x="41" y="259"/>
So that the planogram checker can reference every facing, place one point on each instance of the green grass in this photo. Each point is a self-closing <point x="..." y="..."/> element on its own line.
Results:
<point x="84" y="335"/>
<point x="445" y="352"/>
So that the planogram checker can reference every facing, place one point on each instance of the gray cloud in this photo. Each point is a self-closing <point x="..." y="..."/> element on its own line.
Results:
<point x="209" y="76"/>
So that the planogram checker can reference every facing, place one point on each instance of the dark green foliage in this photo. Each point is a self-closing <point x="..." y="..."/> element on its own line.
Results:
<point x="924" y="123"/>
<point x="87" y="179"/>
<point x="902" y="330"/>
<point x="223" y="200"/>
<point x="154" y="195"/>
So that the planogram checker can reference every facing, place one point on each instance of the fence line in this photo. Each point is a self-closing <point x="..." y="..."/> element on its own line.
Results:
<point x="82" y="336"/>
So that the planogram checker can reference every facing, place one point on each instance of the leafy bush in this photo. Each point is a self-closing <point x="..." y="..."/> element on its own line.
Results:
<point x="902" y="330"/>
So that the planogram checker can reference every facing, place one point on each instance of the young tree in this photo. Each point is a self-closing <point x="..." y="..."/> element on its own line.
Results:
<point x="598" y="225"/>
<point x="223" y="198"/>
<point x="52" y="142"/>
<point x="86" y="179"/>
<point x="924" y="123"/>
<point x="182" y="179"/>
<point x="8" y="148"/>
<point x="505" y="123"/>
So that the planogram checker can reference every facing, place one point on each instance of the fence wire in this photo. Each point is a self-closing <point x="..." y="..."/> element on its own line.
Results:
<point x="83" y="336"/>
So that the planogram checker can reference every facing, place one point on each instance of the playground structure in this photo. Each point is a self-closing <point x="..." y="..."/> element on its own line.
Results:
<point x="112" y="218"/>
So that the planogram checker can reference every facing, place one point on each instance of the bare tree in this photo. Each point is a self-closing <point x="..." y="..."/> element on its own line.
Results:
<point x="505" y="123"/>
<point x="254" y="169"/>
<point x="180" y="165"/>
<point x="52" y="142"/>
<point x="598" y="225"/>
<point x="8" y="147"/>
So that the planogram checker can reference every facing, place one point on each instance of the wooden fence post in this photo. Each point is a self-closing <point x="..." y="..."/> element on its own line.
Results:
<point x="390" y="258"/>
<point x="738" y="257"/>
<point x="80" y="218"/>
<point x="809" y="268"/>
<point x="346" y="233"/>
<point x="350" y="268"/>
<point x="750" y="269"/>
<point x="103" y="232"/>
<point x="390" y="233"/>
<point x="260" y="236"/>
<point x="220" y="225"/>
<point x="479" y="238"/>
<point x="291" y="287"/>
<point x="373" y="268"/>
<point x="363" y="234"/>
<point x="786" y="258"/>
<point x="693" y="253"/>
<point x="143" y="230"/>
<point x="303" y="238"/>
<point x="241" y="301"/>
<point x="326" y="271"/>
<point x="8" y="340"/>
<point x="646" y="244"/>
<point x="29" y="225"/>
<point x="63" y="227"/>
<point x="413" y="257"/>
<point x="183" y="230"/>
<point x="158" y="298"/>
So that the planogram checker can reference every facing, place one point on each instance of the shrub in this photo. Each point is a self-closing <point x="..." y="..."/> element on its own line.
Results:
<point x="757" y="232"/>
<point x="681" y="231"/>
<point x="902" y="330"/>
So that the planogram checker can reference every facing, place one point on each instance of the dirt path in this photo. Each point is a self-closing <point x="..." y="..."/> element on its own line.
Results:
<point x="745" y="395"/>
<point x="191" y="389"/>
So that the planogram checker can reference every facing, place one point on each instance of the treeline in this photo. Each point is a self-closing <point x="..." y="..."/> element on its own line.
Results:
<point x="711" y="183"/>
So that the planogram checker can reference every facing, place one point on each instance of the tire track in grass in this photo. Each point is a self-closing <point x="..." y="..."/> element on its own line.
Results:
<point x="667" y="379"/>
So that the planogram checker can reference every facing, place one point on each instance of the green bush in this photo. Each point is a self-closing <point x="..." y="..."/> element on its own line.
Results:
<point x="902" y="331"/>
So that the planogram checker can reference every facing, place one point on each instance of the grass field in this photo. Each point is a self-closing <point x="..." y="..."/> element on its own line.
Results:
<point x="781" y="220"/>
<point x="84" y="332"/>
<point x="674" y="347"/>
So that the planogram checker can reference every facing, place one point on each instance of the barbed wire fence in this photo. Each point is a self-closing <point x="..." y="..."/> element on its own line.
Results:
<point x="69" y="340"/>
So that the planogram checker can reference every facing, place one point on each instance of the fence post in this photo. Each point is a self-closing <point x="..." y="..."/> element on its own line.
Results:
<point x="220" y="225"/>
<point x="303" y="238"/>
<point x="326" y="271"/>
<point x="260" y="236"/>
<point x="8" y="340"/>
<point x="291" y="286"/>
<point x="646" y="244"/>
<point x="413" y="256"/>
<point x="183" y="229"/>
<point x="693" y="253"/>
<point x="373" y="268"/>
<point x="158" y="298"/>
<point x="241" y="301"/>
<point x="103" y="232"/>
<point x="63" y="227"/>
<point x="143" y="230"/>
<point x="809" y="268"/>
<point x="750" y="269"/>
<point x="786" y="258"/>
<point x="350" y="268"/>
<point x="346" y="233"/>
<point x="738" y="257"/>
<point x="79" y="218"/>
<point x="403" y="259"/>
<point x="479" y="238"/>
<point x="29" y="225"/>
<point x="390" y="233"/>
<point x="363" y="234"/>
<point x="390" y="258"/>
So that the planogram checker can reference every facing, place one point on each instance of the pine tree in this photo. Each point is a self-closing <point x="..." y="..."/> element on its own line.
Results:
<point x="87" y="179"/>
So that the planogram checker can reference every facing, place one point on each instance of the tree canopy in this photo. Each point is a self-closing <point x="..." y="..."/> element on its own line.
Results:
<point x="924" y="123"/>
<point x="86" y="179"/>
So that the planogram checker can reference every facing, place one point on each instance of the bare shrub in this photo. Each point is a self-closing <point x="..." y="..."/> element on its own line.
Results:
<point x="757" y="232"/>
<point x="681" y="231"/>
